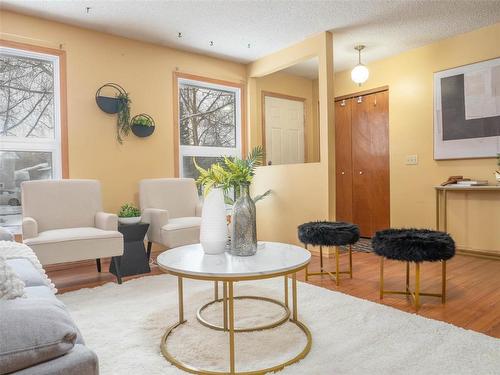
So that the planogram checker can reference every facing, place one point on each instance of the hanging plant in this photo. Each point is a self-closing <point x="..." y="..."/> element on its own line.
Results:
<point x="123" y="119"/>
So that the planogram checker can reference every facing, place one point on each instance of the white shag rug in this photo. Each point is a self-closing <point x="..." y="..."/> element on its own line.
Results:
<point x="124" y="324"/>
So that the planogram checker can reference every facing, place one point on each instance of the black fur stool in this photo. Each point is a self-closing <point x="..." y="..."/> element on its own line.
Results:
<point x="416" y="246"/>
<point x="328" y="233"/>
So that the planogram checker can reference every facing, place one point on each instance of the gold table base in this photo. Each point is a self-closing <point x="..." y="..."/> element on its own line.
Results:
<point x="228" y="315"/>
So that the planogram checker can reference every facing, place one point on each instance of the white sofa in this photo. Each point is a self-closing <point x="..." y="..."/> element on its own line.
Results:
<point x="63" y="222"/>
<point x="172" y="208"/>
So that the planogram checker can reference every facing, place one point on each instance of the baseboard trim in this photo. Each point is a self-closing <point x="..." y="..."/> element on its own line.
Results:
<point x="485" y="254"/>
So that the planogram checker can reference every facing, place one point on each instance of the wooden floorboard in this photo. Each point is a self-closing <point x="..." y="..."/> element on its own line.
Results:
<point x="473" y="293"/>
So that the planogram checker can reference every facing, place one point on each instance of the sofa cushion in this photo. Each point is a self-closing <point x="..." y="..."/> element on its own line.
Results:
<point x="33" y="331"/>
<point x="11" y="286"/>
<point x="73" y="244"/>
<point x="181" y="231"/>
<point x="27" y="272"/>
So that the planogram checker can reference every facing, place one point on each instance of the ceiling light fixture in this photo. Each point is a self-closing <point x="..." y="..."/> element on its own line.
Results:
<point x="360" y="72"/>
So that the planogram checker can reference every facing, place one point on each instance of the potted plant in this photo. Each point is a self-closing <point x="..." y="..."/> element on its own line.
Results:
<point x="129" y="214"/>
<point x="142" y="125"/>
<point x="234" y="176"/>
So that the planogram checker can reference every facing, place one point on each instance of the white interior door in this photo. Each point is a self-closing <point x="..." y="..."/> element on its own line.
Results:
<point x="284" y="121"/>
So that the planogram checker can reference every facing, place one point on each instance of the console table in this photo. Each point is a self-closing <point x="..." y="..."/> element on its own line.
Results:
<point x="442" y="201"/>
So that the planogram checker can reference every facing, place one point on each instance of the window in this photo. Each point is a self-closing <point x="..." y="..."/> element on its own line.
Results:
<point x="30" y="125"/>
<point x="209" y="123"/>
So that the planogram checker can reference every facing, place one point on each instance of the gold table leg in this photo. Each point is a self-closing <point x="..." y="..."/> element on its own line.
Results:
<point x="231" y="328"/>
<point x="294" y="296"/>
<point x="224" y="303"/>
<point x="181" y="299"/>
<point x="216" y="290"/>
<point x="286" y="290"/>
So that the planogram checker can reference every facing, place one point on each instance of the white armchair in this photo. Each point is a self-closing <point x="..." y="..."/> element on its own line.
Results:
<point x="172" y="208"/>
<point x="63" y="222"/>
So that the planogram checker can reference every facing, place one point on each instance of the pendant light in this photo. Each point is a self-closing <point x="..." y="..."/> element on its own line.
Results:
<point x="360" y="72"/>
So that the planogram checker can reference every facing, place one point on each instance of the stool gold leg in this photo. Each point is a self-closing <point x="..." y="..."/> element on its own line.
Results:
<point x="350" y="261"/>
<point x="321" y="258"/>
<point x="407" y="276"/>
<point x="337" y="279"/>
<point x="443" y="281"/>
<point x="307" y="269"/>
<point x="417" y="286"/>
<point x="381" y="277"/>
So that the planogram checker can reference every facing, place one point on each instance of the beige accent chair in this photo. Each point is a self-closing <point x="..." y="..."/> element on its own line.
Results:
<point x="172" y="208"/>
<point x="63" y="222"/>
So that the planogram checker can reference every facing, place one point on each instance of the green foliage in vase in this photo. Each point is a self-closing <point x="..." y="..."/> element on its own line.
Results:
<point x="129" y="210"/>
<point x="231" y="174"/>
<point x="123" y="119"/>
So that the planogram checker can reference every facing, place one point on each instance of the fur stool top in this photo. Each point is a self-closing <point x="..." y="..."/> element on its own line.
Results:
<point x="414" y="245"/>
<point x="328" y="233"/>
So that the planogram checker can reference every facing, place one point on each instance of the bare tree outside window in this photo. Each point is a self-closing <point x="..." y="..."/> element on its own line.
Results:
<point x="26" y="97"/>
<point x="209" y="124"/>
<point x="29" y="144"/>
<point x="207" y="116"/>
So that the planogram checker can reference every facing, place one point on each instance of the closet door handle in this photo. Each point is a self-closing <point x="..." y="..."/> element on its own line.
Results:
<point x="360" y="172"/>
<point x="343" y="172"/>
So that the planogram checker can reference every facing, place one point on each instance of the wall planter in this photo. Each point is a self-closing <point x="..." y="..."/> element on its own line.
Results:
<point x="142" y="125"/>
<point x="109" y="104"/>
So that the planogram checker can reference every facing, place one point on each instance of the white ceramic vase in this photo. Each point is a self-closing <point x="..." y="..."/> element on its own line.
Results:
<point x="213" y="230"/>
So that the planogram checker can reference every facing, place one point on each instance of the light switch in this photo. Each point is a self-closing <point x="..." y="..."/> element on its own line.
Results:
<point x="411" y="159"/>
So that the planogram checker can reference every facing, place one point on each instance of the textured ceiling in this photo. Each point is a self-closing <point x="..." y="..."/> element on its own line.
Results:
<point x="385" y="27"/>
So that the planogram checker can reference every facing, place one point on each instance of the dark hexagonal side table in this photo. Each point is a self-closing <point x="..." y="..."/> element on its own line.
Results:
<point x="134" y="260"/>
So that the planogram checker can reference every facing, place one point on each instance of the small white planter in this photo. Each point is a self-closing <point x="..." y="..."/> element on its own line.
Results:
<point x="213" y="230"/>
<point x="129" y="220"/>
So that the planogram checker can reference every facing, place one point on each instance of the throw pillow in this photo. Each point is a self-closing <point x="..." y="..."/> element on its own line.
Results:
<point x="11" y="286"/>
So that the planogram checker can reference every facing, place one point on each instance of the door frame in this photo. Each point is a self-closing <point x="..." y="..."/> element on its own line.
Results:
<point x="364" y="93"/>
<point x="272" y="94"/>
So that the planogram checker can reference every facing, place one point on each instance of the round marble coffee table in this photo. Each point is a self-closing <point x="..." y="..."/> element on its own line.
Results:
<point x="272" y="259"/>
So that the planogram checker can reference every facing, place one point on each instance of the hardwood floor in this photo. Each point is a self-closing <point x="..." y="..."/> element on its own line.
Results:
<point x="473" y="290"/>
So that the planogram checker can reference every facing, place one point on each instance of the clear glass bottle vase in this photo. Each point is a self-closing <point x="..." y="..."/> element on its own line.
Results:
<point x="244" y="225"/>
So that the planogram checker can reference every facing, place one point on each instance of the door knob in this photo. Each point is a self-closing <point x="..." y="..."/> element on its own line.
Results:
<point x="360" y="172"/>
<point x="343" y="172"/>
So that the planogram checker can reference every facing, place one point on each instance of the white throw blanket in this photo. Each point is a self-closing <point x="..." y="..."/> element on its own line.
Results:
<point x="11" y="250"/>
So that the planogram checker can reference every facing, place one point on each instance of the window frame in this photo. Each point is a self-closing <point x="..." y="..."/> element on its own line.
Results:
<point x="209" y="151"/>
<point x="59" y="144"/>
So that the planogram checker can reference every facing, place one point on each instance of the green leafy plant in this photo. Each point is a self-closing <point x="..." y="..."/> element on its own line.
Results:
<point x="123" y="119"/>
<point x="231" y="174"/>
<point x="142" y="121"/>
<point x="129" y="210"/>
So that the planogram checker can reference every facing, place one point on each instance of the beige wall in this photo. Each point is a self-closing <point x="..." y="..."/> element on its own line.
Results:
<point x="145" y="71"/>
<point x="301" y="192"/>
<point x="410" y="79"/>
<point x="300" y="87"/>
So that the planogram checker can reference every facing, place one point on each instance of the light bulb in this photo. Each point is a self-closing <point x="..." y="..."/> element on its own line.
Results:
<point x="360" y="74"/>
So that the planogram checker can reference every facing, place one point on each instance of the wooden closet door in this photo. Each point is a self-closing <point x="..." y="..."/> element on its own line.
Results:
<point x="343" y="160"/>
<point x="362" y="163"/>
<point x="380" y="189"/>
<point x="370" y="160"/>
